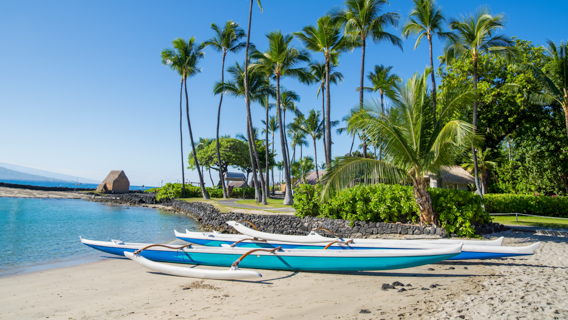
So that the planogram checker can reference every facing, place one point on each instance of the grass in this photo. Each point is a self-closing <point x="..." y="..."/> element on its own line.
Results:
<point x="532" y="221"/>
<point x="275" y="203"/>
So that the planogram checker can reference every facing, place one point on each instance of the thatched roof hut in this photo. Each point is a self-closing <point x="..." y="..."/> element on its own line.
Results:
<point x="311" y="178"/>
<point x="453" y="177"/>
<point x="115" y="182"/>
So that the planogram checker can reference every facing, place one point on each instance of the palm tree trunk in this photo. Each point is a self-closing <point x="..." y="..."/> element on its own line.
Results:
<point x="316" y="159"/>
<point x="203" y="191"/>
<point x="294" y="154"/>
<point x="252" y="145"/>
<point x="324" y="126"/>
<point x="255" y="152"/>
<point x="565" y="107"/>
<point x="211" y="177"/>
<point x="363" y="47"/>
<point x="288" y="198"/>
<point x="181" y="138"/>
<point x="433" y="80"/>
<point x="475" y="167"/>
<point x="424" y="201"/>
<point x="221" y="178"/>
<point x="328" y="114"/>
<point x="352" y="144"/>
<point x="266" y="149"/>
<point x="273" y="184"/>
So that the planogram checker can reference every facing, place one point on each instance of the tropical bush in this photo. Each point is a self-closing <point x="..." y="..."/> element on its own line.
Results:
<point x="528" y="204"/>
<point x="458" y="211"/>
<point x="173" y="190"/>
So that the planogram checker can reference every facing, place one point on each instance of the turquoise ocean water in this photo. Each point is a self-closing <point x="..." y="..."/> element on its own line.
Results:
<point x="42" y="233"/>
<point x="65" y="184"/>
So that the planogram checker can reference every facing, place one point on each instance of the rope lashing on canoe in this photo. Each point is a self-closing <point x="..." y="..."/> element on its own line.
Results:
<point x="252" y="224"/>
<point x="247" y="239"/>
<point x="338" y="241"/>
<point x="324" y="229"/>
<point x="161" y="245"/>
<point x="236" y="263"/>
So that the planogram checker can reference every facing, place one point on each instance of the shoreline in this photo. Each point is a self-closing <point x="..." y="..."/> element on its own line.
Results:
<point x="115" y="288"/>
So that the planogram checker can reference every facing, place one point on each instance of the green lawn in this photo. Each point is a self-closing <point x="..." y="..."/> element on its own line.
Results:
<point x="532" y="221"/>
<point x="275" y="203"/>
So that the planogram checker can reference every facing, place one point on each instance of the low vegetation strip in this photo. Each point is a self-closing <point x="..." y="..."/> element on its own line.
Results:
<point x="528" y="204"/>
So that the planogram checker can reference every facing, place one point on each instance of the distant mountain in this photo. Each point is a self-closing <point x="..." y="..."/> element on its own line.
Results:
<point x="45" y="174"/>
<point x="7" y="174"/>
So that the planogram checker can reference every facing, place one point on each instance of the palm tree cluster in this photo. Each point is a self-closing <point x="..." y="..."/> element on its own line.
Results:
<point x="415" y="136"/>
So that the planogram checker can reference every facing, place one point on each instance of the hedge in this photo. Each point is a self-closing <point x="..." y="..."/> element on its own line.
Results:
<point x="528" y="204"/>
<point x="173" y="190"/>
<point x="458" y="211"/>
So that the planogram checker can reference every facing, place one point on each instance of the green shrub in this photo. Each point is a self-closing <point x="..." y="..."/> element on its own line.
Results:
<point x="169" y="191"/>
<point x="457" y="210"/>
<point x="173" y="190"/>
<point x="528" y="204"/>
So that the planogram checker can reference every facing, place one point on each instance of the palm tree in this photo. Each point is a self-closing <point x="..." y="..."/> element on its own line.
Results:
<point x="473" y="36"/>
<point x="284" y="60"/>
<point x="415" y="145"/>
<point x="319" y="75"/>
<point x="252" y="144"/>
<point x="485" y="164"/>
<point x="327" y="39"/>
<point x="298" y="140"/>
<point x="258" y="89"/>
<point x="383" y="81"/>
<point x="314" y="127"/>
<point x="186" y="56"/>
<point x="363" y="19"/>
<point x="426" y="20"/>
<point x="306" y="165"/>
<point x="272" y="127"/>
<point x="176" y="59"/>
<point x="225" y="40"/>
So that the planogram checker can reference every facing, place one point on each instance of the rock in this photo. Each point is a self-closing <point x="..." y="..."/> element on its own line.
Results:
<point x="387" y="286"/>
<point x="465" y="268"/>
<point x="432" y="286"/>
<point x="396" y="283"/>
<point x="364" y="311"/>
<point x="401" y="290"/>
<point x="451" y="268"/>
<point x="425" y="289"/>
<point x="431" y="269"/>
<point x="409" y="285"/>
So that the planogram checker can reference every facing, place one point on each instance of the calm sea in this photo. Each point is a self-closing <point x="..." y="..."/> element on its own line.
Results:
<point x="65" y="184"/>
<point x="42" y="233"/>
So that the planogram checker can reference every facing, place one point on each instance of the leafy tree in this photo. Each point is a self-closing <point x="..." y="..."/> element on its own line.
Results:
<point x="184" y="58"/>
<point x="426" y="20"/>
<point x="284" y="61"/>
<point x="319" y="75"/>
<point x="227" y="39"/>
<point x="326" y="38"/>
<point x="473" y="36"/>
<point x="415" y="144"/>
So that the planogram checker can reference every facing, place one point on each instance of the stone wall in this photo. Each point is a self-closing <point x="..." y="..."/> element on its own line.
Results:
<point x="211" y="219"/>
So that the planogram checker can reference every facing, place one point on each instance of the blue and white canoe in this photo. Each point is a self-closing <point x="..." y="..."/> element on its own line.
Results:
<point x="283" y="259"/>
<point x="472" y="249"/>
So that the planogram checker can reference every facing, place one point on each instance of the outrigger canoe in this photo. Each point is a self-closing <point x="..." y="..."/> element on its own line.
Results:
<point x="472" y="249"/>
<point x="281" y="259"/>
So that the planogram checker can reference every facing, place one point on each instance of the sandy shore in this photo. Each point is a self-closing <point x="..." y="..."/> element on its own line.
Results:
<point x="524" y="287"/>
<point x="25" y="193"/>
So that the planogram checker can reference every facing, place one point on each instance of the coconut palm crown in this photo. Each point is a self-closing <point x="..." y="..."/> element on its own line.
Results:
<point x="414" y="144"/>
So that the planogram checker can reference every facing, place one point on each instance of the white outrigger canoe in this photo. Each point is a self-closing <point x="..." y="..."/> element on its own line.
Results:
<point x="472" y="249"/>
<point x="278" y="258"/>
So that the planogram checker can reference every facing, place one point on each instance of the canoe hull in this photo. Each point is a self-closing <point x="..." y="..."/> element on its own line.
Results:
<point x="279" y="260"/>
<point x="469" y="251"/>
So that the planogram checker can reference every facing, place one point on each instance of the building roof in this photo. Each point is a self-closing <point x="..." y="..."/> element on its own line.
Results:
<point x="456" y="175"/>
<point x="235" y="176"/>
<point x="312" y="178"/>
<point x="238" y="184"/>
<point x="115" y="174"/>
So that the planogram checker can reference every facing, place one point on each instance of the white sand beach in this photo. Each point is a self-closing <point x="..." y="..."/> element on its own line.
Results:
<point x="533" y="287"/>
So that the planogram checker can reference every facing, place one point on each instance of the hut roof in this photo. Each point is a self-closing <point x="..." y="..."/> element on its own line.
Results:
<point x="238" y="184"/>
<point x="312" y="178"/>
<point x="113" y="175"/>
<point x="456" y="175"/>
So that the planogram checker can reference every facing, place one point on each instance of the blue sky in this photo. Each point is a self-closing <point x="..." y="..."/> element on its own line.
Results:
<point x="83" y="92"/>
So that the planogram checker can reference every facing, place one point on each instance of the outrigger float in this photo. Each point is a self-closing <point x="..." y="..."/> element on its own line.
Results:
<point x="274" y="258"/>
<point x="250" y="238"/>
